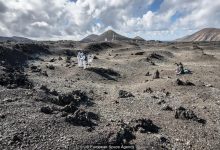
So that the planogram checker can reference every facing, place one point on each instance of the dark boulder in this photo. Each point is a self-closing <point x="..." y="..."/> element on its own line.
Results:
<point x="125" y="94"/>
<point x="144" y="125"/>
<point x="80" y="118"/>
<point x="182" y="83"/>
<point x="187" y="114"/>
<point x="155" y="56"/>
<point x="76" y="97"/>
<point x="46" y="110"/>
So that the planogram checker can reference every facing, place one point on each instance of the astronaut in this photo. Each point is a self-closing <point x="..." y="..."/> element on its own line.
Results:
<point x="84" y="60"/>
<point x="90" y="59"/>
<point x="79" y="56"/>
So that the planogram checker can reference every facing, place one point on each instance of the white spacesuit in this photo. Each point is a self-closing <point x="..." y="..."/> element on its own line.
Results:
<point x="90" y="59"/>
<point x="79" y="56"/>
<point x="84" y="60"/>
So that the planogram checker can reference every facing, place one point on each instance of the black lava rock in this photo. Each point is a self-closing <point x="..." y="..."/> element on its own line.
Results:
<point x="125" y="94"/>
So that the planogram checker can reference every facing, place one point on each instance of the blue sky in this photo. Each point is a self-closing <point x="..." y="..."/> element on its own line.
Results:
<point x="70" y="19"/>
<point x="155" y="6"/>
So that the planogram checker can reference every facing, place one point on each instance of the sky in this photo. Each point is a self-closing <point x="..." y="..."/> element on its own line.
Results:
<point x="74" y="19"/>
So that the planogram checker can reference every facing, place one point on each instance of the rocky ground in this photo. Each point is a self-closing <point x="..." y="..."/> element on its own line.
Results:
<point x="47" y="102"/>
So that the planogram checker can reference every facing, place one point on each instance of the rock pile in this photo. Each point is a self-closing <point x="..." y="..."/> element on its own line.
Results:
<point x="127" y="131"/>
<point x="69" y="105"/>
<point x="13" y="78"/>
<point x="81" y="118"/>
<point x="182" y="83"/>
<point x="187" y="114"/>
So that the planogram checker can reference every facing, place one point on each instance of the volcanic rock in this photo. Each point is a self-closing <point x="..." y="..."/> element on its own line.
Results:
<point x="35" y="69"/>
<point x="124" y="136"/>
<point x="144" y="125"/>
<point x="187" y="83"/>
<point x="125" y="94"/>
<point x="14" y="79"/>
<point x="51" y="67"/>
<point x="46" y="110"/>
<point x="187" y="114"/>
<point x="139" y="53"/>
<point x="156" y="75"/>
<point x="80" y="118"/>
<point x="167" y="108"/>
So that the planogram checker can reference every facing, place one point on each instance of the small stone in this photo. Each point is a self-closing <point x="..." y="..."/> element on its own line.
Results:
<point x="148" y="90"/>
<point x="64" y="114"/>
<point x="218" y="102"/>
<point x="147" y="74"/>
<point x="60" y="58"/>
<point x="167" y="108"/>
<point x="90" y="129"/>
<point x="8" y="100"/>
<point x="44" y="73"/>
<point x="156" y="75"/>
<point x="167" y="93"/>
<point x="51" y="67"/>
<point x="209" y="85"/>
<point x="188" y="143"/>
<point x="161" y="102"/>
<point x="163" y="139"/>
<point x="67" y="65"/>
<point x="155" y="97"/>
<point x="53" y="60"/>
<point x="204" y="107"/>
<point x="2" y="116"/>
<point x="46" y="110"/>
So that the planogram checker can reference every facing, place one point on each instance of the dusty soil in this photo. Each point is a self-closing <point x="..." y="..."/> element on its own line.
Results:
<point x="47" y="102"/>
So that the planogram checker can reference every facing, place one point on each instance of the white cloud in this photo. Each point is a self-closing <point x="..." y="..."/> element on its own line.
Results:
<point x="39" y="24"/>
<point x="62" y="19"/>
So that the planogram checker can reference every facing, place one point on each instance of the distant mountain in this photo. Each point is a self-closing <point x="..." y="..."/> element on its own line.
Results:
<point x="90" y="38"/>
<point x="112" y="35"/>
<point x="138" y="38"/>
<point x="109" y="35"/>
<point x="14" y="39"/>
<point x="207" y="34"/>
